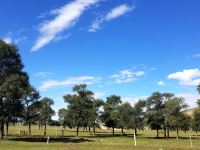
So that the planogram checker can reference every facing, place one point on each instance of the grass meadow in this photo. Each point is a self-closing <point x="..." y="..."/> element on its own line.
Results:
<point x="102" y="141"/>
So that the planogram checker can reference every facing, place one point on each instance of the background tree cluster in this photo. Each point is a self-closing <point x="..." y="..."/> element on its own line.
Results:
<point x="160" y="111"/>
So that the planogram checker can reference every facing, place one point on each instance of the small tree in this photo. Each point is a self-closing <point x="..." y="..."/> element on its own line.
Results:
<point x="79" y="106"/>
<point x="30" y="101"/>
<point x="124" y="114"/>
<point x="46" y="112"/>
<point x="61" y="116"/>
<point x="109" y="116"/>
<point x="154" y="113"/>
<point x="185" y="123"/>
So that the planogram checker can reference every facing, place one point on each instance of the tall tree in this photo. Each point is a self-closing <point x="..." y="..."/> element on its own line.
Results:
<point x="137" y="116"/>
<point x="196" y="120"/>
<point x="79" y="106"/>
<point x="13" y="81"/>
<point x="175" y="116"/>
<point x="154" y="113"/>
<point x="198" y="88"/>
<point x="109" y="116"/>
<point x="30" y="103"/>
<point x="96" y="104"/>
<point x="61" y="116"/>
<point x="123" y="115"/>
<point x="46" y="112"/>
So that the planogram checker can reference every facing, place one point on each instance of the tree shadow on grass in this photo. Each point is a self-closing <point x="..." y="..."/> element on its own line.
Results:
<point x="180" y="138"/>
<point x="51" y="140"/>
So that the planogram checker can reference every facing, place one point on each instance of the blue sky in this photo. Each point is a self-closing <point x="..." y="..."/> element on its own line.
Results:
<point x="129" y="48"/>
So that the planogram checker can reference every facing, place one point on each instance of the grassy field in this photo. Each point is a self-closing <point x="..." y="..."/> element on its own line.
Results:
<point x="103" y="141"/>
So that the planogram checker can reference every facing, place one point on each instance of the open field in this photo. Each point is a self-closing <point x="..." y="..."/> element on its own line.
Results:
<point x="103" y="140"/>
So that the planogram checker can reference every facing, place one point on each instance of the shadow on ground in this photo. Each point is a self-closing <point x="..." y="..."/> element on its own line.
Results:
<point x="51" y="140"/>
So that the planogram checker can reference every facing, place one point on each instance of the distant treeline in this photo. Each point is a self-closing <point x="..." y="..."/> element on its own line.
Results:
<point x="21" y="102"/>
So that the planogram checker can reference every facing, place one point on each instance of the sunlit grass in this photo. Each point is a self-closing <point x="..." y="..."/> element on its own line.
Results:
<point x="103" y="141"/>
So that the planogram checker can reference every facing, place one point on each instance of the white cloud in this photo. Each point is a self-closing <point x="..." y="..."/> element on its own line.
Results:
<point x="98" y="95"/>
<point x="161" y="83"/>
<point x="190" y="98"/>
<point x="66" y="17"/>
<point x="187" y="77"/>
<point x="8" y="40"/>
<point x="133" y="100"/>
<point x="113" y="14"/>
<point x="126" y="76"/>
<point x="43" y="74"/>
<point x="69" y="82"/>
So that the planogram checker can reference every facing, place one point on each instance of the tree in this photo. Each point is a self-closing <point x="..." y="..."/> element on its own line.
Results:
<point x="109" y="116"/>
<point x="13" y="81"/>
<point x="154" y="113"/>
<point x="46" y="112"/>
<point x="79" y="106"/>
<point x="30" y="103"/>
<point x="123" y="115"/>
<point x="198" y="88"/>
<point x="61" y="116"/>
<point x="136" y="117"/>
<point x="185" y="123"/>
<point x="96" y="104"/>
<point x="196" y="118"/>
<point x="175" y="116"/>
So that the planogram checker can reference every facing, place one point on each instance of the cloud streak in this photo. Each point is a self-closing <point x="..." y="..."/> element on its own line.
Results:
<point x="112" y="14"/>
<point x="126" y="76"/>
<point x="65" y="18"/>
<point x="89" y="80"/>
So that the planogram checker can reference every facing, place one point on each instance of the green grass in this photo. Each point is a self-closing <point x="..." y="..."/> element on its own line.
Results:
<point x="104" y="140"/>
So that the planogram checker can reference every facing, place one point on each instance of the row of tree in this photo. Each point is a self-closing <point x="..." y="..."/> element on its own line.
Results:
<point x="160" y="111"/>
<point x="18" y="99"/>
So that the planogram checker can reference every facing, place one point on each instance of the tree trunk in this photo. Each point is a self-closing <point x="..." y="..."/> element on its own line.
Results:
<point x="177" y="133"/>
<point x="157" y="133"/>
<point x="2" y="131"/>
<point x="113" y="131"/>
<point x="135" y="131"/>
<point x="196" y="132"/>
<point x="94" y="128"/>
<point x="45" y="130"/>
<point x="29" y="129"/>
<point x="167" y="132"/>
<point x="122" y="131"/>
<point x="77" y="129"/>
<point x="7" y="126"/>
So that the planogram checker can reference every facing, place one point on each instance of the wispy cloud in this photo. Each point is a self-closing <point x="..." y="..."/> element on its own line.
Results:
<point x="196" y="55"/>
<point x="126" y="76"/>
<point x="161" y="83"/>
<point x="43" y="74"/>
<point x="69" y="82"/>
<point x="65" y="18"/>
<point x="112" y="14"/>
<point x="187" y="77"/>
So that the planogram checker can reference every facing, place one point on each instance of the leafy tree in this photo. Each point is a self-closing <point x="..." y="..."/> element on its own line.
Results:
<point x="137" y="116"/>
<point x="123" y="114"/>
<point x="96" y="104"/>
<point x="13" y="81"/>
<point x="45" y="112"/>
<point x="196" y="118"/>
<point x="109" y="116"/>
<point x="185" y="123"/>
<point x="30" y="103"/>
<point x="79" y="106"/>
<point x="175" y="116"/>
<point x="61" y="115"/>
<point x="154" y="113"/>
<point x="198" y="88"/>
